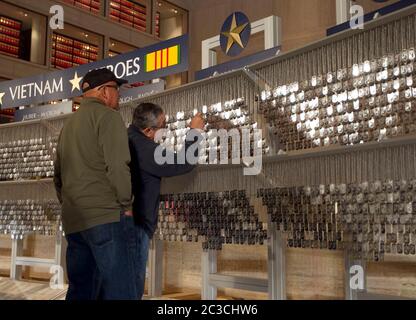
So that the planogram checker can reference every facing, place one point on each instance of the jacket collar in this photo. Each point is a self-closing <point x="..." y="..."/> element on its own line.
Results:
<point x="91" y="100"/>
<point x="135" y="129"/>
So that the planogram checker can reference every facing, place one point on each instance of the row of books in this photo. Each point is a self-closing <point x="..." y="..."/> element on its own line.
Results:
<point x="68" y="52"/>
<point x="89" y="5"/>
<point x="10" y="31"/>
<point x="129" y="13"/>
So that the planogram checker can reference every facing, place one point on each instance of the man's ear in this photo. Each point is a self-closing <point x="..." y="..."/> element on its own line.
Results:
<point x="104" y="93"/>
<point x="147" y="131"/>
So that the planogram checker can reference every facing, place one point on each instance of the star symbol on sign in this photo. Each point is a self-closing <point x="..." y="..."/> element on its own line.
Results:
<point x="76" y="82"/>
<point x="1" y="98"/>
<point x="234" y="34"/>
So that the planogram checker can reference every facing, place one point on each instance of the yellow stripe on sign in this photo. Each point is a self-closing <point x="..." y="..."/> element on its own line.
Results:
<point x="173" y="56"/>
<point x="150" y="62"/>
<point x="164" y="58"/>
<point x="158" y="59"/>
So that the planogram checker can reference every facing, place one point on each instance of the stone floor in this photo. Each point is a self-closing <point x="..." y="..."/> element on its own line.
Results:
<point x="37" y="290"/>
<point x="25" y="290"/>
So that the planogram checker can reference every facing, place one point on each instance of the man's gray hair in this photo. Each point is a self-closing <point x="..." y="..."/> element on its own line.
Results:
<point x="146" y="115"/>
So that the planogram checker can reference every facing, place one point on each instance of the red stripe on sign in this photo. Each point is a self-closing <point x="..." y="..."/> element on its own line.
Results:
<point x="156" y="60"/>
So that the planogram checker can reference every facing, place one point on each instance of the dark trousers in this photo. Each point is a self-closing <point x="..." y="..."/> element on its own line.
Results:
<point x="141" y="254"/>
<point x="100" y="264"/>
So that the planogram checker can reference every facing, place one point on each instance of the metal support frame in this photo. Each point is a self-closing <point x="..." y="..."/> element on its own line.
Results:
<point x="209" y="267"/>
<point x="275" y="285"/>
<point x="350" y="293"/>
<point x="261" y="84"/>
<point x="15" y="267"/>
<point x="155" y="275"/>
<point x="276" y="265"/>
<point x="18" y="260"/>
<point x="211" y="280"/>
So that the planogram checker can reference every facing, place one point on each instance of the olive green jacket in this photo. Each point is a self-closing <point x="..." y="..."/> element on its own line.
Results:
<point x="92" y="174"/>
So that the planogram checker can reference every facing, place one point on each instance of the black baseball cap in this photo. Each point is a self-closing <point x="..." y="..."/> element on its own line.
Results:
<point x="98" y="77"/>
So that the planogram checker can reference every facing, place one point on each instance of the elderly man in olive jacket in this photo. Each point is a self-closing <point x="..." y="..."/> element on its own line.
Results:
<point x="93" y="183"/>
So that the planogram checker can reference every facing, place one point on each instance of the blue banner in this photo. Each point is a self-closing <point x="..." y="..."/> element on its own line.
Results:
<point x="66" y="84"/>
<point x="237" y="64"/>
<point x="370" y="16"/>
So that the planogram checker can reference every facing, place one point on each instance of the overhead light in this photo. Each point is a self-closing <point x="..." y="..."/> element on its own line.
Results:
<point x="113" y="44"/>
<point x="25" y="14"/>
<point x="160" y="4"/>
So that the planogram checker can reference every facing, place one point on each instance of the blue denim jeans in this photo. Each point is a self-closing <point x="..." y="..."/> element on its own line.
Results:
<point x="141" y="252"/>
<point x="100" y="264"/>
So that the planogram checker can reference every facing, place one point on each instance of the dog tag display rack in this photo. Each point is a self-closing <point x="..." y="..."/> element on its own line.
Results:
<point x="338" y="165"/>
<point x="336" y="114"/>
<point x="28" y="203"/>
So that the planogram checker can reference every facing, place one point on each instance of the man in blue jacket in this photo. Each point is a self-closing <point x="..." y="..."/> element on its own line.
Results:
<point x="146" y="175"/>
